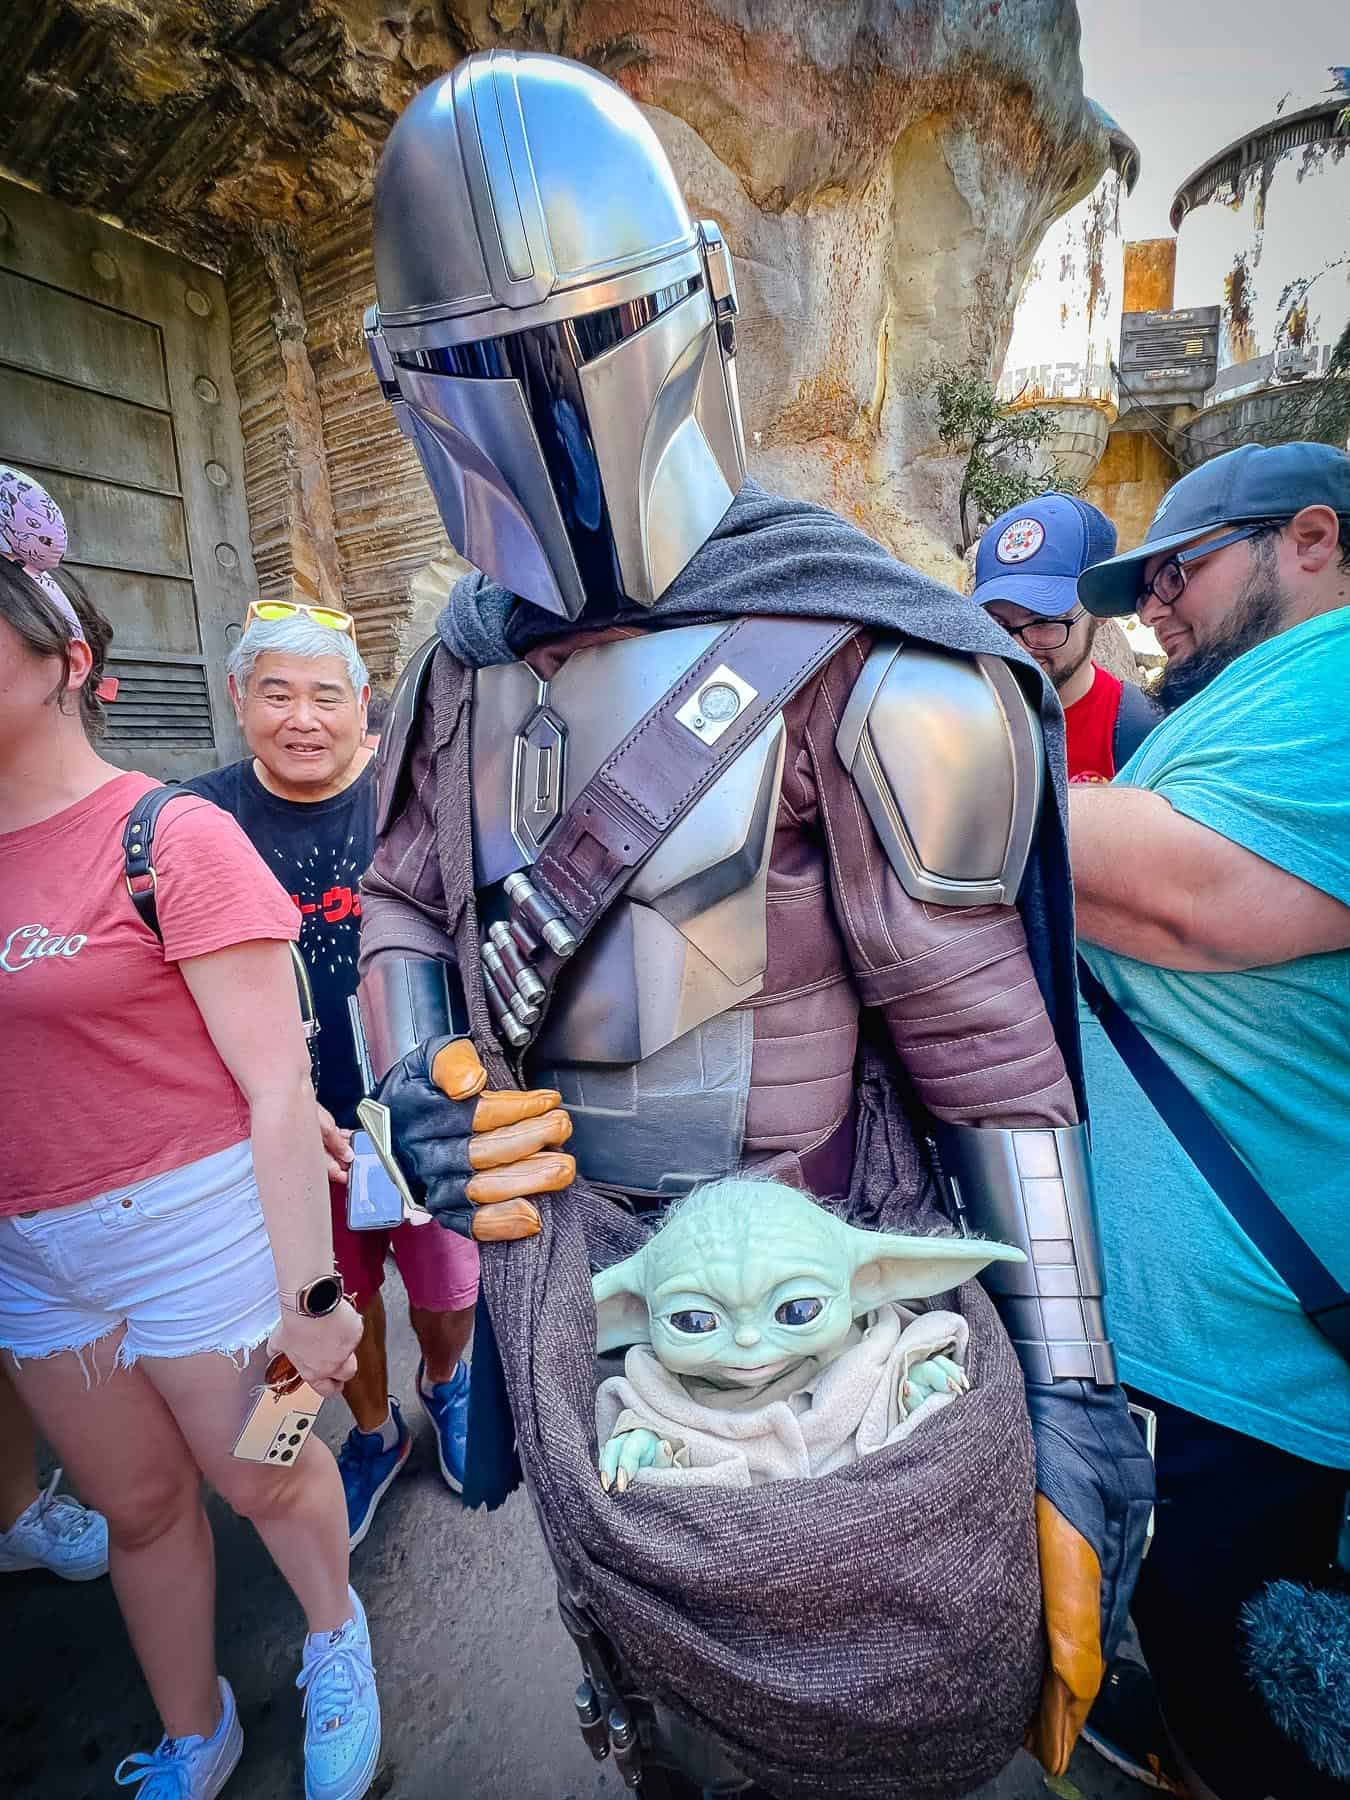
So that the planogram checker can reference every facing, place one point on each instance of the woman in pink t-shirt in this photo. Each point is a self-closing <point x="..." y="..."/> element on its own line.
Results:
<point x="164" y="1223"/>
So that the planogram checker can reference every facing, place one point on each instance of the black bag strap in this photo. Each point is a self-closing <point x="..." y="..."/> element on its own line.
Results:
<point x="1323" y="1299"/>
<point x="1135" y="718"/>
<point x="138" y="848"/>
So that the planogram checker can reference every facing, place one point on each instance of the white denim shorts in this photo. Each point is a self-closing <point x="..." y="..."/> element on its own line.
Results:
<point x="183" y="1260"/>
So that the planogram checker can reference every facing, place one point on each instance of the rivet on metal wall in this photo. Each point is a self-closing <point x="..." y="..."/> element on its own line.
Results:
<point x="197" y="302"/>
<point x="205" y="389"/>
<point x="227" y="556"/>
<point x="217" y="474"/>
<point x="103" y="266"/>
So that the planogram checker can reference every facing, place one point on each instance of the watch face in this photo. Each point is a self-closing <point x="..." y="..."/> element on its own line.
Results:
<point x="321" y="1296"/>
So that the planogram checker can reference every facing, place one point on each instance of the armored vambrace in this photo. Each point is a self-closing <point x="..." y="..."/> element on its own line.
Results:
<point x="469" y="1156"/>
<point x="404" y="1001"/>
<point x="1033" y="1188"/>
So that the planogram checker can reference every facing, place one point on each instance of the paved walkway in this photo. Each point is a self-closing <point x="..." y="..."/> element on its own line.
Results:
<point x="476" y="1673"/>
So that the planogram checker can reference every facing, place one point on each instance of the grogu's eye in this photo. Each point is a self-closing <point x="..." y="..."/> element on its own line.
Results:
<point x="693" y="1324"/>
<point x="799" y="1312"/>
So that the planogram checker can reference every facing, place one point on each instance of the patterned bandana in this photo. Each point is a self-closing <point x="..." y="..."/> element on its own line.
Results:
<point x="33" y="534"/>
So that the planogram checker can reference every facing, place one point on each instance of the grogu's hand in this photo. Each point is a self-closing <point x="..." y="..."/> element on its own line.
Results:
<point x="627" y="1452"/>
<point x="938" y="1375"/>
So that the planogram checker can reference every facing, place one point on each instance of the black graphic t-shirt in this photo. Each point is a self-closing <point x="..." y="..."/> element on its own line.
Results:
<point x="318" y="851"/>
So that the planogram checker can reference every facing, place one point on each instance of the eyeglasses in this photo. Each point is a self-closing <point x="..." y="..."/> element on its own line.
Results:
<point x="270" y="611"/>
<point x="1169" y="584"/>
<point x="1045" y="634"/>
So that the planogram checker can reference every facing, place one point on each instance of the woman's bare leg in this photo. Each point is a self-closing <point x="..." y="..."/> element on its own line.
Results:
<point x="18" y="1455"/>
<point x="300" y="1512"/>
<point x="117" y="1439"/>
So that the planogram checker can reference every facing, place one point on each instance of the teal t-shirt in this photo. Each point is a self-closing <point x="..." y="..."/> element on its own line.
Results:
<point x="1199" y="1317"/>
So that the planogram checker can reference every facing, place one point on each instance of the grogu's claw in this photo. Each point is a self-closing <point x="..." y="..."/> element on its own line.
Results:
<point x="621" y="1482"/>
<point x="606" y="1480"/>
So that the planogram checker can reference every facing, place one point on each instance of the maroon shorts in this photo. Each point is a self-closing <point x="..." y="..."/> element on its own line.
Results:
<point x="439" y="1268"/>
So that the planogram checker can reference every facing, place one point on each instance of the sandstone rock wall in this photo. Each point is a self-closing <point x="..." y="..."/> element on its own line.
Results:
<point x="883" y="170"/>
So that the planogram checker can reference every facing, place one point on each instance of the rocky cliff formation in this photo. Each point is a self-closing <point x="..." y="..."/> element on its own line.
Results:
<point x="883" y="170"/>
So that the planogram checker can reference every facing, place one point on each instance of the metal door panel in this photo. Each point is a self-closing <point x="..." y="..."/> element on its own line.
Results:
<point x="155" y="614"/>
<point x="59" y="334"/>
<point x="95" y="318"/>
<point x="121" y="528"/>
<point x="51" y="424"/>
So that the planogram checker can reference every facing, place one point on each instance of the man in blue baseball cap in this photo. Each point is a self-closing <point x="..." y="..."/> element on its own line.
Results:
<point x="1213" y="892"/>
<point x="1026" y="577"/>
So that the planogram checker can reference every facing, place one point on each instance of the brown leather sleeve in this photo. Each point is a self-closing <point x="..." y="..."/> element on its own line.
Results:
<point x="402" y="897"/>
<point x="954" y="984"/>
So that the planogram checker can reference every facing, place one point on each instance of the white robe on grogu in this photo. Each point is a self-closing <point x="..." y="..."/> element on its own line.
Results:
<point x="812" y="1419"/>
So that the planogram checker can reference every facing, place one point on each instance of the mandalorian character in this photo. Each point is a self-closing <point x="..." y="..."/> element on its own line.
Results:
<point x="770" y="873"/>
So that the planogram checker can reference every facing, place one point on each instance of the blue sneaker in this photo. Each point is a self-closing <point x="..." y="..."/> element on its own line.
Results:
<point x="368" y="1470"/>
<point x="342" y="1710"/>
<point x="447" y="1406"/>
<point x="59" y="1534"/>
<point x="189" y="1768"/>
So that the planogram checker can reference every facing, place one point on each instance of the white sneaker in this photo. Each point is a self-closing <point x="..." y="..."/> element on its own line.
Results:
<point x="59" y="1534"/>
<point x="189" y="1768"/>
<point x="342" y="1710"/>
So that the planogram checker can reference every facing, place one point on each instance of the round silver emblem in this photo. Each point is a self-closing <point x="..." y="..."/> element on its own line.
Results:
<point x="719" y="702"/>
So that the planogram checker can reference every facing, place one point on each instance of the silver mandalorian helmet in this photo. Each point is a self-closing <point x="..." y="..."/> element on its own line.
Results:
<point x="554" y="333"/>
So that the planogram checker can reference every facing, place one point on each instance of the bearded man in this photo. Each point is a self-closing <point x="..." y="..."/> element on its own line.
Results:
<point x="734" y="779"/>
<point x="1213" y="888"/>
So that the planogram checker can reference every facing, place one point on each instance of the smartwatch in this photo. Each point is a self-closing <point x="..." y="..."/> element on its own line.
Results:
<point x="316" y="1299"/>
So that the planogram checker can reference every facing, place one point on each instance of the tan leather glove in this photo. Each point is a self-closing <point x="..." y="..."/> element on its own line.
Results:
<point x="1094" y="1479"/>
<point x="471" y="1155"/>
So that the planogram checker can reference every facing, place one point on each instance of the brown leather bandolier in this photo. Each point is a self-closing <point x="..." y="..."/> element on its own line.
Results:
<point x="642" y="790"/>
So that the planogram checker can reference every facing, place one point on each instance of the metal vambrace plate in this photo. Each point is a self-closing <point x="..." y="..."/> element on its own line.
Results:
<point x="403" y="1001"/>
<point x="1033" y="1188"/>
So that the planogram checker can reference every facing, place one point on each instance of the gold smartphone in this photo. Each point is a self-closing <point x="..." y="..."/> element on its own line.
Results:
<point x="281" y="1419"/>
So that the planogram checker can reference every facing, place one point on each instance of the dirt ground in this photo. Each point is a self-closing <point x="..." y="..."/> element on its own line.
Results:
<point x="476" y="1673"/>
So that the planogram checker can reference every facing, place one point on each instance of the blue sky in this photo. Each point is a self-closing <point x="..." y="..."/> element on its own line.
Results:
<point x="1185" y="77"/>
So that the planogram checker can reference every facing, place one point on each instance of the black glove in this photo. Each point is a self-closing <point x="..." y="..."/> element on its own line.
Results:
<point x="431" y="1135"/>
<point x="1094" y="1479"/>
<point x="469" y="1155"/>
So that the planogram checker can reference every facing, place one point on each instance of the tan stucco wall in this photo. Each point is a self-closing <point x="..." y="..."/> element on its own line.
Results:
<point x="1129" y="481"/>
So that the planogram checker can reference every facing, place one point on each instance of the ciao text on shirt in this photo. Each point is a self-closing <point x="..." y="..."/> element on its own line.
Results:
<point x="28" y="944"/>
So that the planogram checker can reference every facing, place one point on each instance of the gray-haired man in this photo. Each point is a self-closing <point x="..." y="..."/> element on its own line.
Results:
<point x="306" y="797"/>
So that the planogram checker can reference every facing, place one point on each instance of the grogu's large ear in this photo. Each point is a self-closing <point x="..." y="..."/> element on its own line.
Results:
<point x="889" y="1267"/>
<point x="621" y="1315"/>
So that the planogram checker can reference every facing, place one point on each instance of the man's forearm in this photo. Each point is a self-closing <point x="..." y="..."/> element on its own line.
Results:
<point x="1124" y="892"/>
<point x="1154" y="885"/>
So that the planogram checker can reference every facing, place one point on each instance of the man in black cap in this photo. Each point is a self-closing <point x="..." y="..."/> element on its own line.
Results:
<point x="1213" y="898"/>
<point x="1026" y="577"/>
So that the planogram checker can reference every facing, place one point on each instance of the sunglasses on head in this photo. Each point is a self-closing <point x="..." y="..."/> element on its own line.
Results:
<point x="269" y="612"/>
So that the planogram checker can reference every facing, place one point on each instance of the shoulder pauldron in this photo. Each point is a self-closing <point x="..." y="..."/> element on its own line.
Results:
<point x="946" y="752"/>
